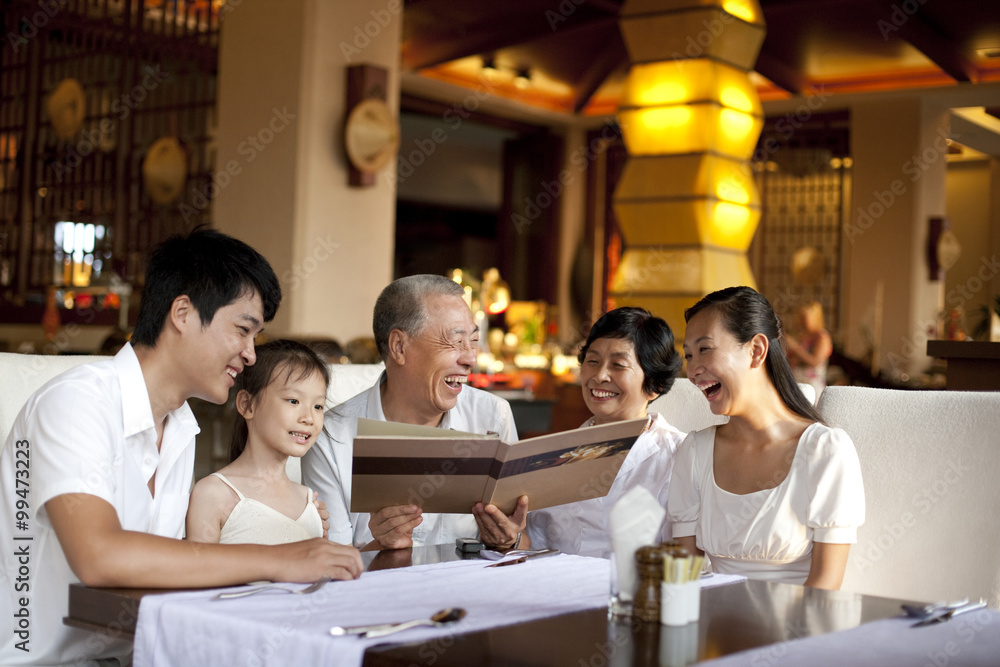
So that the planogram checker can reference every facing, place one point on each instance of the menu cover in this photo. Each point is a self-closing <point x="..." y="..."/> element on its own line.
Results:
<point x="445" y="471"/>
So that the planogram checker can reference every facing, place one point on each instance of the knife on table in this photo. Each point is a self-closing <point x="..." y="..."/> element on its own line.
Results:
<point x="540" y="554"/>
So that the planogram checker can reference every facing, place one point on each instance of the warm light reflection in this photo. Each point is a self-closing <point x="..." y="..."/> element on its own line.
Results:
<point x="735" y="125"/>
<point x="664" y="118"/>
<point x="663" y="92"/>
<point x="730" y="219"/>
<point x="742" y="10"/>
<point x="735" y="98"/>
<point x="732" y="190"/>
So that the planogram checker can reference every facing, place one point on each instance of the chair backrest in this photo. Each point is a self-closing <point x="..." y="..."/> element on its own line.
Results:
<point x="686" y="409"/>
<point x="930" y="462"/>
<point x="349" y="380"/>
<point x="21" y="375"/>
<point x="346" y="381"/>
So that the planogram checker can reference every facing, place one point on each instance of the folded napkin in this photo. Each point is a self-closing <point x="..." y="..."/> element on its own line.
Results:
<point x="634" y="522"/>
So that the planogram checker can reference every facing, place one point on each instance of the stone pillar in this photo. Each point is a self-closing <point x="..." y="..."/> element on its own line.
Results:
<point x="281" y="110"/>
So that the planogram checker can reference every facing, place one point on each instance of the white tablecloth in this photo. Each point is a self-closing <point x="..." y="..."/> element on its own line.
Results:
<point x="969" y="640"/>
<point x="278" y="628"/>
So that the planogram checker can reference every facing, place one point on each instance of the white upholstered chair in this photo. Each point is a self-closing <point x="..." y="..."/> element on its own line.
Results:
<point x="931" y="465"/>
<point x="686" y="409"/>
<point x="21" y="375"/>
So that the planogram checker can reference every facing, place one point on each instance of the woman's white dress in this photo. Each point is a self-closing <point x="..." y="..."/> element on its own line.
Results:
<point x="768" y="534"/>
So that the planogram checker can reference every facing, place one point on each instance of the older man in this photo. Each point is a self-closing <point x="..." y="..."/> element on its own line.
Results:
<point x="427" y="337"/>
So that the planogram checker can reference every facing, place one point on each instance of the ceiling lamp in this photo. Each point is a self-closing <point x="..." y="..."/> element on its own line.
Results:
<point x="687" y="202"/>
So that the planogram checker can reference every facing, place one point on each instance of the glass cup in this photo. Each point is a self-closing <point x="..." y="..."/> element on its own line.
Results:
<point x="619" y="604"/>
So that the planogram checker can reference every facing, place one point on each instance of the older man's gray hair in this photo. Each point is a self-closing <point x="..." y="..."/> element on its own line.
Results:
<point x="401" y="306"/>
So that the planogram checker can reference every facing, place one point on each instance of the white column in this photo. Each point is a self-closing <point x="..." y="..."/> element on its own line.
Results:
<point x="281" y="109"/>
<point x="899" y="152"/>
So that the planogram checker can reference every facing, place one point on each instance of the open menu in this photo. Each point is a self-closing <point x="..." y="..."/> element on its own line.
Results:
<point x="449" y="471"/>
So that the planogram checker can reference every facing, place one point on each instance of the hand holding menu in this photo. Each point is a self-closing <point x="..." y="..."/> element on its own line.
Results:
<point x="449" y="471"/>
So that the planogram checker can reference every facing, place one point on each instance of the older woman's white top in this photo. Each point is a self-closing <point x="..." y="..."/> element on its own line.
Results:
<point x="582" y="527"/>
<point x="768" y="534"/>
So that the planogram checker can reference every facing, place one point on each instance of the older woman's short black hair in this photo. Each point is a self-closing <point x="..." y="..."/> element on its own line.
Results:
<point x="653" y="342"/>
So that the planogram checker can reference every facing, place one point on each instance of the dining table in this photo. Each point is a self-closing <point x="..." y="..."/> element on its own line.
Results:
<point x="547" y="611"/>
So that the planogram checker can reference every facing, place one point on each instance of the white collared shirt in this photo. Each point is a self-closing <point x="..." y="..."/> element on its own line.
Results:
<point x="327" y="465"/>
<point x="582" y="527"/>
<point x="89" y="430"/>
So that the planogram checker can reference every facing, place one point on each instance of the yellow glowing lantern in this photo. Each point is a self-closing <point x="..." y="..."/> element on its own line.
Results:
<point x="687" y="202"/>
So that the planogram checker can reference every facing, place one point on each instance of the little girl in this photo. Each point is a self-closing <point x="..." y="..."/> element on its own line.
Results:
<point x="280" y="402"/>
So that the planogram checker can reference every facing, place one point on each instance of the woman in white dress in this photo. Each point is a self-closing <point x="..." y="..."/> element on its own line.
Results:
<point x="628" y="360"/>
<point x="774" y="493"/>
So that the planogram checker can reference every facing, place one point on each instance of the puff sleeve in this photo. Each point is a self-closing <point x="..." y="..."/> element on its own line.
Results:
<point x="684" y="497"/>
<point x="836" y="493"/>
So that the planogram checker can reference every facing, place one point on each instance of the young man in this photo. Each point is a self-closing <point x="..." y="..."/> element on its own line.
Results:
<point x="100" y="459"/>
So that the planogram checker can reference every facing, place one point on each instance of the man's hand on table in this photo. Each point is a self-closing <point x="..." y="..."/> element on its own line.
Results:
<point x="392" y="527"/>
<point x="498" y="530"/>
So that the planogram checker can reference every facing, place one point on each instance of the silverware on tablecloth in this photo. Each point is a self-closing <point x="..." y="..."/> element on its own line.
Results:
<point x="922" y="612"/>
<point x="312" y="588"/>
<point x="493" y="554"/>
<point x="443" y="617"/>
<point x="949" y="614"/>
<point x="540" y="554"/>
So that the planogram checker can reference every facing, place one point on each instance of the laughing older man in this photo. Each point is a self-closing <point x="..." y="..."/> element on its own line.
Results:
<point x="427" y="337"/>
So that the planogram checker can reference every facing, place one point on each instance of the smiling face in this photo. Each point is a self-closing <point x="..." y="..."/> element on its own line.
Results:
<point x="717" y="363"/>
<point x="611" y="378"/>
<point x="438" y="360"/>
<point x="287" y="416"/>
<point x="216" y="354"/>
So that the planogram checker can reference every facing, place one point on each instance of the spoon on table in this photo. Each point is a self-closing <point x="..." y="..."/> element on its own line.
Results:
<point x="443" y="617"/>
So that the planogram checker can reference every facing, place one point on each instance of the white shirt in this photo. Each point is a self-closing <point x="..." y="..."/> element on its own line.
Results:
<point x="582" y="527"/>
<point x="769" y="534"/>
<point x="327" y="466"/>
<point x="89" y="430"/>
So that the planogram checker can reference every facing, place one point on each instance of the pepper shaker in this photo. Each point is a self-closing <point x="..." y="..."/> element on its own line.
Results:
<point x="646" y="604"/>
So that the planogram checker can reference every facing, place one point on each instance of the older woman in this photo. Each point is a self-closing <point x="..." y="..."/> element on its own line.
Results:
<point x="628" y="360"/>
<point x="774" y="493"/>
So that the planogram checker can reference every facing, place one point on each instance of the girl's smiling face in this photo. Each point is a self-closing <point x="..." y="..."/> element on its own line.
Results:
<point x="717" y="363"/>
<point x="288" y="415"/>
<point x="612" y="379"/>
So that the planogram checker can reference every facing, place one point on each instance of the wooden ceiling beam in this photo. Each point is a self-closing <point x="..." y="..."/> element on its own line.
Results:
<point x="612" y="57"/>
<point x="438" y="49"/>
<point x="943" y="52"/>
<point x="780" y="74"/>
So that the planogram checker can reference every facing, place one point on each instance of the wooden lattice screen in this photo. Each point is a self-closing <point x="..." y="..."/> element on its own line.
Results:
<point x="148" y="70"/>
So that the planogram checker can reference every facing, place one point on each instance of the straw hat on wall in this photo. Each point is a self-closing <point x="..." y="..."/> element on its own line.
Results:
<point x="164" y="170"/>
<point x="66" y="108"/>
